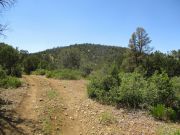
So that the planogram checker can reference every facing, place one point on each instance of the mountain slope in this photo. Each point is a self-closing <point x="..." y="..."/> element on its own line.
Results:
<point x="94" y="55"/>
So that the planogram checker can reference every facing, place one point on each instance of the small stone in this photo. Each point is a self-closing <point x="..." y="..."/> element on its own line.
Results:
<point x="71" y="118"/>
<point x="41" y="99"/>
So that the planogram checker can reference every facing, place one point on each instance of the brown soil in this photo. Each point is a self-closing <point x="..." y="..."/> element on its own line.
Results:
<point x="61" y="107"/>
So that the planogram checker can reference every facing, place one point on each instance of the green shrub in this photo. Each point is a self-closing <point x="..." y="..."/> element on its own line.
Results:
<point x="176" y="83"/>
<point x="69" y="74"/>
<point x="10" y="82"/>
<point x="163" y="113"/>
<point x="176" y="132"/>
<point x="50" y="74"/>
<point x="65" y="74"/>
<point x="39" y="72"/>
<point x="16" y="71"/>
<point x="171" y="114"/>
<point x="132" y="89"/>
<point x="163" y="89"/>
<point x="103" y="89"/>
<point x="86" y="70"/>
<point x="2" y="74"/>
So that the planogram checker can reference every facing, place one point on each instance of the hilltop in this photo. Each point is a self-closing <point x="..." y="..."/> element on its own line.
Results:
<point x="93" y="55"/>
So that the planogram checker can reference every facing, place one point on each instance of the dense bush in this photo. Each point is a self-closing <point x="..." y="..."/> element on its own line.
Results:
<point x="16" y="71"/>
<point x="86" y="70"/>
<point x="8" y="81"/>
<point x="132" y="91"/>
<point x="163" y="88"/>
<point x="176" y="83"/>
<point x="2" y="73"/>
<point x="30" y="64"/>
<point x="10" y="60"/>
<point x="64" y="74"/>
<point x="103" y="89"/>
<point x="135" y="90"/>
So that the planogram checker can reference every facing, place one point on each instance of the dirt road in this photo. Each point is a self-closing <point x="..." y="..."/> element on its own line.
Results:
<point x="61" y="107"/>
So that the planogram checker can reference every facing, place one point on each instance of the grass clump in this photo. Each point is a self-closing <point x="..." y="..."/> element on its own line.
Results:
<point x="107" y="118"/>
<point x="163" y="113"/>
<point x="47" y="128"/>
<point x="52" y="94"/>
<point x="167" y="131"/>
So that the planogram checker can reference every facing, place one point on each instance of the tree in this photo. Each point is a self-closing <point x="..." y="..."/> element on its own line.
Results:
<point x="30" y="64"/>
<point x="139" y="45"/>
<point x="138" y="49"/>
<point x="71" y="59"/>
<point x="9" y="59"/>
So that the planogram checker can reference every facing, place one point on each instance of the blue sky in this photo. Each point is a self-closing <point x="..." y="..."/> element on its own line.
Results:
<point x="36" y="25"/>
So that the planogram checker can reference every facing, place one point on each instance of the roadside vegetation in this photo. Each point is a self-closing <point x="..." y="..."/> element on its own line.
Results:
<point x="10" y="70"/>
<point x="144" y="80"/>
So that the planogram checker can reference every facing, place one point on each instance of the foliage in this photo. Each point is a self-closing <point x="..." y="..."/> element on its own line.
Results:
<point x="176" y="83"/>
<point x="163" y="113"/>
<point x="10" y="82"/>
<point x="65" y="74"/>
<point x="2" y="73"/>
<point x="30" y="64"/>
<point x="16" y="71"/>
<point x="88" y="57"/>
<point x="163" y="90"/>
<point x="105" y="93"/>
<point x="176" y="132"/>
<point x="103" y="87"/>
<point x="9" y="60"/>
<point x="107" y="118"/>
<point x="132" y="91"/>
<point x="158" y="61"/>
<point x="138" y="49"/>
<point x="71" y="59"/>
<point x="39" y="72"/>
<point x="86" y="70"/>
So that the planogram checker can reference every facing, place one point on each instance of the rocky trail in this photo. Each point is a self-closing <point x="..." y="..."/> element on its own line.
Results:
<point x="61" y="107"/>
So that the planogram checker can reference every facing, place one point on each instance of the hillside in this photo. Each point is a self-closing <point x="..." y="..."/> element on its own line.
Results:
<point x="94" y="55"/>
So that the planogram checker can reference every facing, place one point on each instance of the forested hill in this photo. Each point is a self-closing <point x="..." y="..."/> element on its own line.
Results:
<point x="80" y="55"/>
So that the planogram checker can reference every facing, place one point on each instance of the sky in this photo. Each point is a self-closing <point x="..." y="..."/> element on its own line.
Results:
<point x="36" y="25"/>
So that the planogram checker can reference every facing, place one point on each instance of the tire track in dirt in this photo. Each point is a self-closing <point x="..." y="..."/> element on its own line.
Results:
<point x="27" y="107"/>
<point x="72" y="93"/>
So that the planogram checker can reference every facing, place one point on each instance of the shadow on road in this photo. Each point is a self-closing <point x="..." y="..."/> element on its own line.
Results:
<point x="9" y="120"/>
